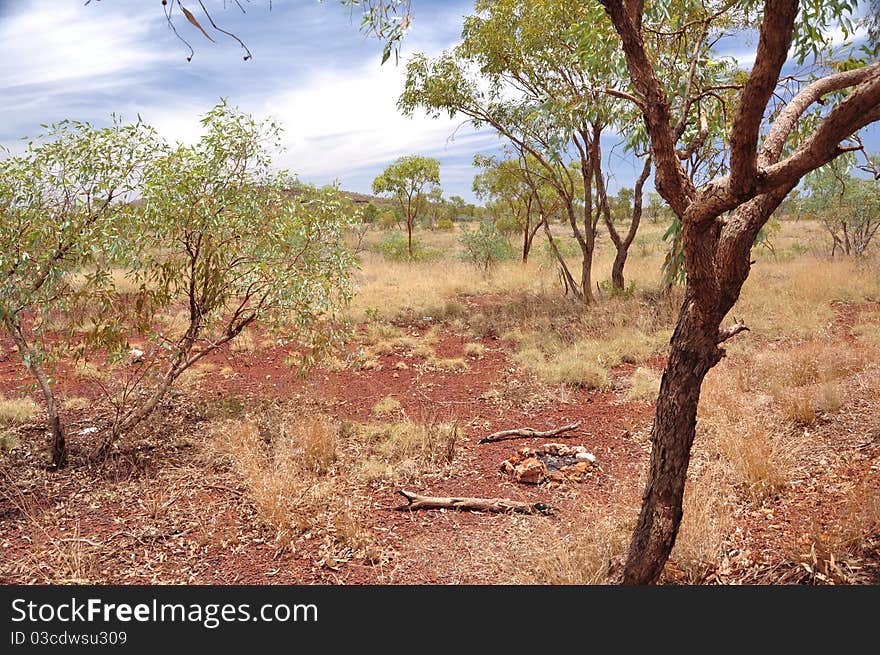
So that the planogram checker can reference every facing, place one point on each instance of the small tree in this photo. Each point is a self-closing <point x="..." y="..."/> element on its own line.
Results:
<point x="406" y="180"/>
<point x="848" y="206"/>
<point x="371" y="213"/>
<point x="225" y="243"/>
<point x="485" y="246"/>
<point x="61" y="207"/>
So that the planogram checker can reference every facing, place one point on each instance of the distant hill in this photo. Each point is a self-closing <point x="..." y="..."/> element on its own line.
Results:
<point x="364" y="199"/>
<point x="354" y="196"/>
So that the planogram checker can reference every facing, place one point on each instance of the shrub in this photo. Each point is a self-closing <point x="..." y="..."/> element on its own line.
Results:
<point x="566" y="247"/>
<point x="627" y="292"/>
<point x="385" y="406"/>
<point x="17" y="411"/>
<point x="508" y="224"/>
<point x="387" y="220"/>
<point x="485" y="246"/>
<point x="221" y="235"/>
<point x="63" y="207"/>
<point x="394" y="247"/>
<point x="445" y="223"/>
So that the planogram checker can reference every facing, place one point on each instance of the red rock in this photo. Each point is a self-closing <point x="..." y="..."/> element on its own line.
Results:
<point x="531" y="471"/>
<point x="580" y="467"/>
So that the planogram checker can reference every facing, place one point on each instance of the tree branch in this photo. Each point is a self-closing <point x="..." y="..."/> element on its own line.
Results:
<point x="731" y="331"/>
<point x="671" y="181"/>
<point x="526" y="433"/>
<point x="860" y="108"/>
<point x="788" y="117"/>
<point x="777" y="28"/>
<point x="463" y="503"/>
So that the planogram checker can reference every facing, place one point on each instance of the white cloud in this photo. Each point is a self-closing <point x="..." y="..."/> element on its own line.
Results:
<point x="338" y="109"/>
<point x="65" y="45"/>
<point x="337" y="121"/>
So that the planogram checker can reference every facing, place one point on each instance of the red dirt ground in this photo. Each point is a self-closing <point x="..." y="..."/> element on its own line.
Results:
<point x="155" y="514"/>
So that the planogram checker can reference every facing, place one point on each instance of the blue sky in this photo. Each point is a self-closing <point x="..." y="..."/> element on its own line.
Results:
<point x="311" y="69"/>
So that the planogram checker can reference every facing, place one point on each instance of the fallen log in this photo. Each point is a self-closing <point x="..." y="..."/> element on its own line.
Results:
<point x="523" y="433"/>
<point x="416" y="502"/>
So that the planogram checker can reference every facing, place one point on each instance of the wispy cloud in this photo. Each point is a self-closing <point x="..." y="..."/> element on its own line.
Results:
<point x="312" y="71"/>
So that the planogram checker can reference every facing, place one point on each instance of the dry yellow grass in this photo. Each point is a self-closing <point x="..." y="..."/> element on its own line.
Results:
<point x="244" y="342"/>
<point x="570" y="366"/>
<point x="474" y="349"/>
<point x="743" y="429"/>
<point x="586" y="362"/>
<point x="17" y="411"/>
<point x="76" y="403"/>
<point x="293" y="482"/>
<point x="196" y="374"/>
<point x="388" y="289"/>
<point x="793" y="299"/>
<point x="707" y="520"/>
<point x="452" y="364"/>
<point x="403" y="450"/>
<point x="385" y="406"/>
<point x="867" y="330"/>
<point x="643" y="384"/>
<point x="91" y="372"/>
<point x="585" y="553"/>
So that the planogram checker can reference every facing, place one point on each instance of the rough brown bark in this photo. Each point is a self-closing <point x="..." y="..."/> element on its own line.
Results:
<point x="775" y="36"/>
<point x="717" y="246"/>
<point x="671" y="181"/>
<point x="692" y="354"/>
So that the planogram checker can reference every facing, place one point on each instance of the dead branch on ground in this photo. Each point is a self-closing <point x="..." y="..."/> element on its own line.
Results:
<point x="500" y="505"/>
<point x="521" y="433"/>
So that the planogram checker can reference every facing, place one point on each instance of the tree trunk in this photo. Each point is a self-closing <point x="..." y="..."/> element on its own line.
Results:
<point x="567" y="278"/>
<point x="718" y="265"/>
<point x="586" y="276"/>
<point x="409" y="231"/>
<point x="621" y="245"/>
<point x="693" y="352"/>
<point x="617" y="281"/>
<point x="59" y="443"/>
<point x="139" y="414"/>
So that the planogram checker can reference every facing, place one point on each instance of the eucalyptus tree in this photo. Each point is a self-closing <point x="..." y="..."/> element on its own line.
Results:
<point x="517" y="70"/>
<point x="62" y="207"/>
<point x="631" y="207"/>
<point x="548" y="76"/>
<point x="409" y="180"/>
<point x="225" y="245"/>
<point x="721" y="217"/>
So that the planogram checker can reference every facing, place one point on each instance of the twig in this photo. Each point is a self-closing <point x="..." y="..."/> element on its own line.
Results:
<point x="222" y="488"/>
